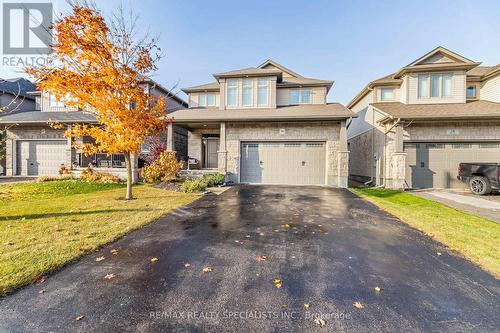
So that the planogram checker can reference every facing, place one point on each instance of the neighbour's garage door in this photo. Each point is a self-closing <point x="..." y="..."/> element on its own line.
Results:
<point x="40" y="157"/>
<point x="435" y="165"/>
<point x="294" y="163"/>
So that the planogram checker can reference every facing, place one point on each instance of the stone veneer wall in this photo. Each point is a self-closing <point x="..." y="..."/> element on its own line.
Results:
<point x="313" y="131"/>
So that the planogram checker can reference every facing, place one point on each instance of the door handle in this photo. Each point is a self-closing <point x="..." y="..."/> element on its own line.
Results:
<point x="303" y="163"/>
<point x="260" y="162"/>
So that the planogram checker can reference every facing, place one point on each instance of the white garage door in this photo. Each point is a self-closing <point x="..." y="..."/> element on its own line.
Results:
<point x="294" y="163"/>
<point x="435" y="165"/>
<point x="40" y="157"/>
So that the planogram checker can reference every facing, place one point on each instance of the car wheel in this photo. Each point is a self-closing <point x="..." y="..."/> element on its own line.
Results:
<point x="479" y="185"/>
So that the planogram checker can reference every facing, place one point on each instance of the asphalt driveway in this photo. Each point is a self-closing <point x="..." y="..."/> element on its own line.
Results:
<point x="329" y="248"/>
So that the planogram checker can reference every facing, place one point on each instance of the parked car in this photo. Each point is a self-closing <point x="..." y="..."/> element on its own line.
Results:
<point x="482" y="178"/>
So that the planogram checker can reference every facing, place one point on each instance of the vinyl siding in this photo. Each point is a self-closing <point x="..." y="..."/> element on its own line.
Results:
<point x="318" y="95"/>
<point x="457" y="90"/>
<point x="490" y="90"/>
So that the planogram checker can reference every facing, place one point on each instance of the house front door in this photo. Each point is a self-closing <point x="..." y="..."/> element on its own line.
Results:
<point x="210" y="158"/>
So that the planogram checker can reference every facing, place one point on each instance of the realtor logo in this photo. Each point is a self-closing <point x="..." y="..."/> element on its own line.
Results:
<point x="26" y="28"/>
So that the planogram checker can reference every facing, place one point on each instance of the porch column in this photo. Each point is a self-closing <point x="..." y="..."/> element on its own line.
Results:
<point x="10" y="157"/>
<point x="170" y="137"/>
<point x="222" y="152"/>
<point x="343" y="157"/>
<point x="398" y="161"/>
<point x="70" y="155"/>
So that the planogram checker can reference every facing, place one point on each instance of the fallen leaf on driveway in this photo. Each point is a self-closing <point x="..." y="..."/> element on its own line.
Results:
<point x="109" y="276"/>
<point x="320" y="322"/>
<point x="377" y="290"/>
<point x="286" y="225"/>
<point x="257" y="274"/>
<point x="439" y="254"/>
<point x="358" y="305"/>
<point x="114" y="251"/>
<point x="40" y="279"/>
<point x="154" y="259"/>
<point x="306" y="305"/>
<point x="41" y="291"/>
<point x="207" y="269"/>
<point x="80" y="317"/>
<point x="99" y="259"/>
<point x="261" y="258"/>
<point x="187" y="265"/>
<point x="277" y="283"/>
<point x="248" y="236"/>
<point x="261" y="234"/>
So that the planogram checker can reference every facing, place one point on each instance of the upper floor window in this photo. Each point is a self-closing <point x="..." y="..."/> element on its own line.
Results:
<point x="54" y="102"/>
<point x="206" y="100"/>
<point x="387" y="94"/>
<point x="232" y="92"/>
<point x="247" y="95"/>
<point x="471" y="91"/>
<point x="262" y="92"/>
<point x="435" y="85"/>
<point x="300" y="96"/>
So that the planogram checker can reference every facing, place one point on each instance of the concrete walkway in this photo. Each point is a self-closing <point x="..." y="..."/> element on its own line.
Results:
<point x="476" y="205"/>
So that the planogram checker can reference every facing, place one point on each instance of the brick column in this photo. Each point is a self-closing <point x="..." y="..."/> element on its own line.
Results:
<point x="170" y="137"/>
<point x="10" y="157"/>
<point x="222" y="152"/>
<point x="343" y="169"/>
<point x="398" y="171"/>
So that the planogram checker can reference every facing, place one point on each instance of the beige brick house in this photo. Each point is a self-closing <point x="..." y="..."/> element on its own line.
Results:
<point x="416" y="125"/>
<point x="267" y="125"/>
<point x="34" y="148"/>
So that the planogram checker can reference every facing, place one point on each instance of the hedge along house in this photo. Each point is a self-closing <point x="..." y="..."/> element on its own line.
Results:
<point x="267" y="125"/>
<point x="416" y="125"/>
<point x="34" y="148"/>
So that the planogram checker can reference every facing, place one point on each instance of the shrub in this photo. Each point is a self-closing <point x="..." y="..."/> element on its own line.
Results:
<point x="43" y="179"/>
<point x="156" y="148"/>
<point x="64" y="170"/>
<point x="214" y="179"/>
<point x="194" y="185"/>
<point x="89" y="175"/>
<point x="165" y="168"/>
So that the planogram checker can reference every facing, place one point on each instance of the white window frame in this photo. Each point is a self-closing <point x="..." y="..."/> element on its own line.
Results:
<point x="213" y="99"/>
<point x="230" y="88"/>
<point x="386" y="89"/>
<point x="200" y="103"/>
<point x="243" y="87"/>
<point x="428" y="93"/>
<point x="299" y="95"/>
<point x="205" y="96"/>
<point x="266" y="86"/>
<point x="54" y="102"/>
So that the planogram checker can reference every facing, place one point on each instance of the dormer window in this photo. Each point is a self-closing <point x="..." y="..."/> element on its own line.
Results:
<point x="471" y="91"/>
<point x="387" y="94"/>
<point x="262" y="89"/>
<point x="206" y="100"/>
<point x="247" y="95"/>
<point x="434" y="86"/>
<point x="232" y="92"/>
<point x="300" y="96"/>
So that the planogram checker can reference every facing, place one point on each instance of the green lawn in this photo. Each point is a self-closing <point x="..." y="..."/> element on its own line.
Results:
<point x="43" y="226"/>
<point x="474" y="237"/>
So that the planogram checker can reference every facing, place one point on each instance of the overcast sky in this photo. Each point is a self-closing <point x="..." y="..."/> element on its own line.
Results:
<point x="350" y="42"/>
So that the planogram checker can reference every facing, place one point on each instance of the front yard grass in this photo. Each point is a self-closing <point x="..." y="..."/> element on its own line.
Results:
<point x="474" y="237"/>
<point x="43" y="226"/>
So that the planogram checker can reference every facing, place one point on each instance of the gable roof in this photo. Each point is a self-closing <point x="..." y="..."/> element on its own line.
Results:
<point x="250" y="71"/>
<point x="17" y="86"/>
<point x="212" y="86"/>
<point x="270" y="62"/>
<point x="442" y="51"/>
<point x="471" y="109"/>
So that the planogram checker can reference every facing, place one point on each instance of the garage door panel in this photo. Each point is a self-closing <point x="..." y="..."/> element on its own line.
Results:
<point x="298" y="163"/>
<point x="40" y="157"/>
<point x="434" y="165"/>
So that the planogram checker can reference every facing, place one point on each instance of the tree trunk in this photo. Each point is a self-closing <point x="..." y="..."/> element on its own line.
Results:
<point x="128" y="195"/>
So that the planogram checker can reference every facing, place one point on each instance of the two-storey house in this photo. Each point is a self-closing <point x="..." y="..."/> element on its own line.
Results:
<point x="35" y="148"/>
<point x="14" y="97"/>
<point x="267" y="125"/>
<point x="416" y="125"/>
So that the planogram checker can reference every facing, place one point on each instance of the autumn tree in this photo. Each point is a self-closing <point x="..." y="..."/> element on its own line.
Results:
<point x="99" y="69"/>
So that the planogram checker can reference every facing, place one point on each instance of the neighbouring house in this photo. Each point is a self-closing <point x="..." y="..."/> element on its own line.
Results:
<point x="14" y="97"/>
<point x="416" y="125"/>
<point x="267" y="125"/>
<point x="34" y="148"/>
